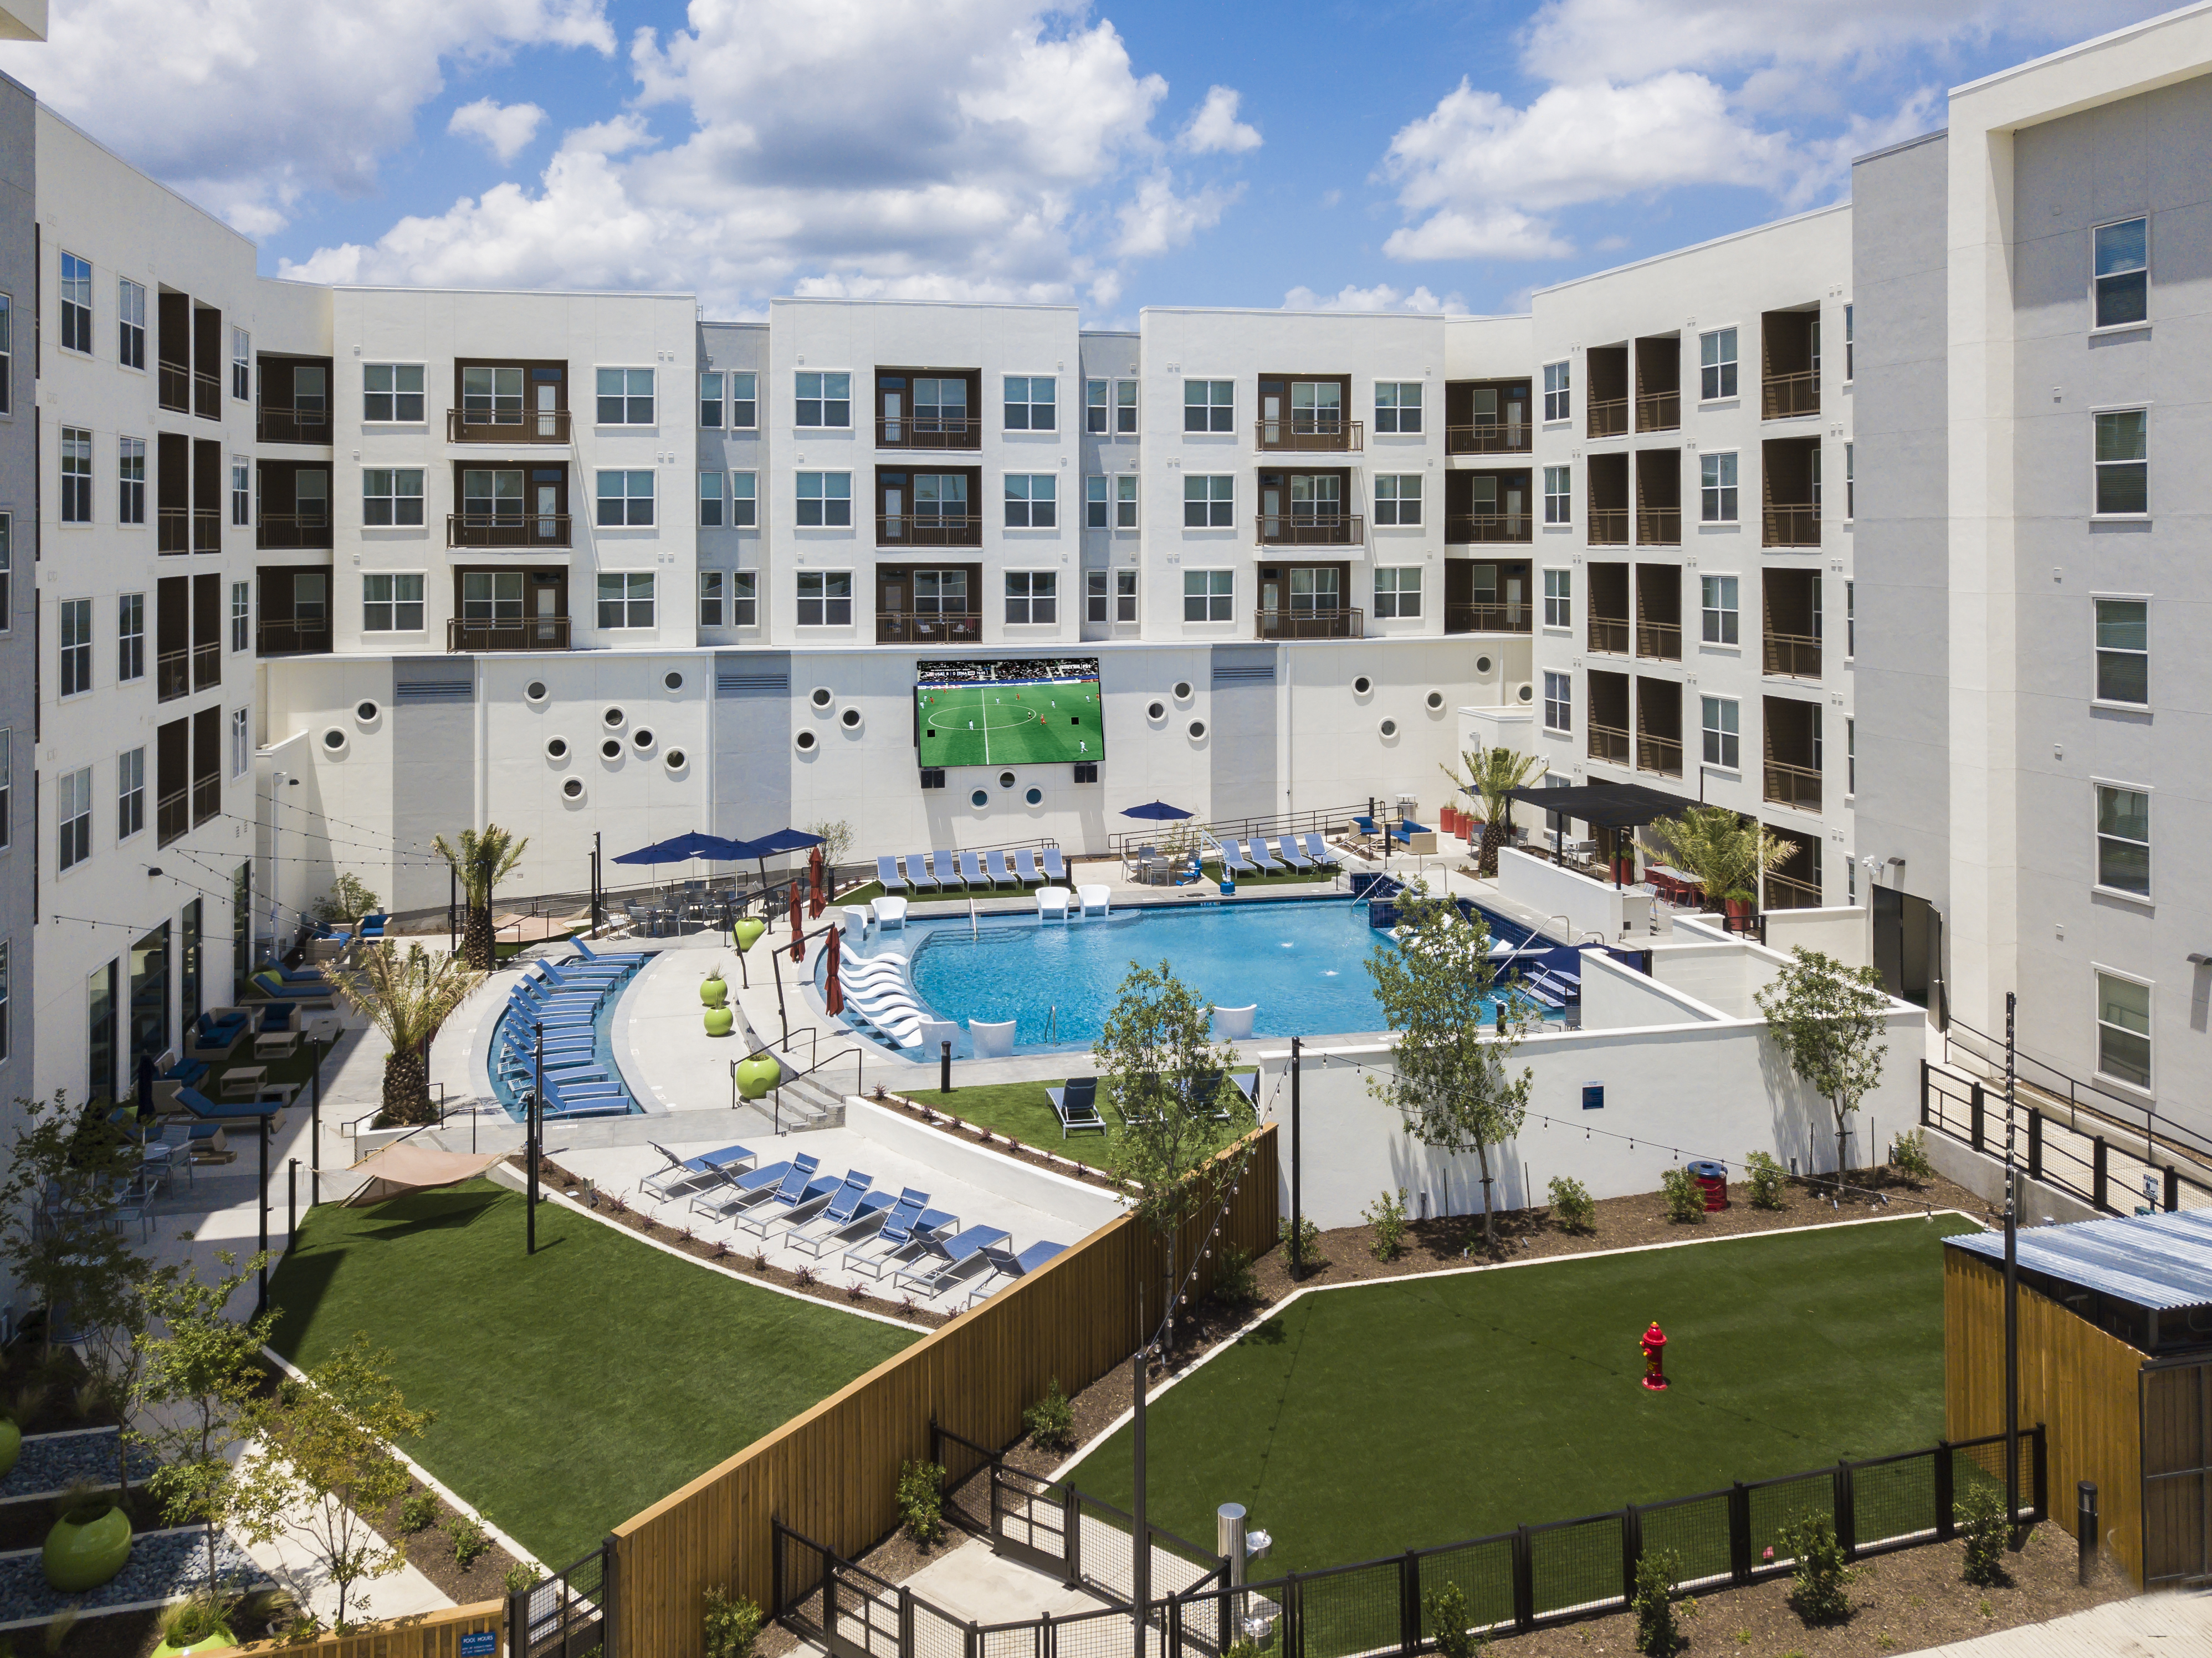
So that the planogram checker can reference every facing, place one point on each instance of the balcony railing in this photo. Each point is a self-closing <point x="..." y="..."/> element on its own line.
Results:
<point x="207" y="395"/>
<point x="1609" y="526"/>
<point x="1304" y="433"/>
<point x="1608" y="635"/>
<point x="506" y="529"/>
<point x="1311" y="529"/>
<point x="538" y="632"/>
<point x="173" y="387"/>
<point x="1489" y="618"/>
<point x="293" y="637"/>
<point x="507" y="426"/>
<point x="1497" y="437"/>
<point x="1608" y="743"/>
<point x="1788" y="892"/>
<point x="1608" y="417"/>
<point x="1468" y="529"/>
<point x="929" y="530"/>
<point x="172" y="675"/>
<point x="1660" y="641"/>
<point x="207" y="530"/>
<point x="292" y="425"/>
<point x="1658" y="411"/>
<point x="1793" y="525"/>
<point x="207" y="796"/>
<point x="1781" y="396"/>
<point x="1658" y="526"/>
<point x="1311" y="624"/>
<point x="172" y="530"/>
<point x="294" y="529"/>
<point x="938" y="628"/>
<point x="1662" y="755"/>
<point x="929" y="432"/>
<point x="1793" y="656"/>
<point x="207" y="665"/>
<point x="1792" y="786"/>
<point x="173" y="817"/>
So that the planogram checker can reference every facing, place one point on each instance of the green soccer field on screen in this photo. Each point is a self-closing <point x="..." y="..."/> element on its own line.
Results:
<point x="1026" y="722"/>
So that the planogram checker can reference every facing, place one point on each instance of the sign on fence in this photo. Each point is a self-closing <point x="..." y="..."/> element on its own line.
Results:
<point x="484" y="1644"/>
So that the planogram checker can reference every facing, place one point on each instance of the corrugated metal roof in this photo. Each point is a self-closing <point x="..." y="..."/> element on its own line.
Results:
<point x="2158" y="1261"/>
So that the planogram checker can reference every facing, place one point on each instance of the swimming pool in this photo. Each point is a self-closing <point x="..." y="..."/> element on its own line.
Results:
<point x="1302" y="961"/>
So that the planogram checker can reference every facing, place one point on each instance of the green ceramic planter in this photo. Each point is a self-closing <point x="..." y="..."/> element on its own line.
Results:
<point x="758" y="1075"/>
<point x="11" y="1446"/>
<point x="714" y="992"/>
<point x="215" y="1640"/>
<point x="719" y="1021"/>
<point x="83" y="1555"/>
<point x="745" y="931"/>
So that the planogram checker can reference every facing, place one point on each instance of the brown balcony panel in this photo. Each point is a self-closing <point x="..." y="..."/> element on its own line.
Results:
<point x="506" y="529"/>
<point x="1470" y="529"/>
<point x="206" y="396"/>
<point x="207" y="666"/>
<point x="1658" y="411"/>
<point x="1782" y="396"/>
<point x="538" y="632"/>
<point x="293" y="426"/>
<point x="281" y="531"/>
<point x="941" y="530"/>
<point x="1787" y="892"/>
<point x="1301" y="436"/>
<point x="1287" y="530"/>
<point x="945" y="628"/>
<point x="172" y="674"/>
<point x="173" y="817"/>
<point x="207" y="530"/>
<point x="1488" y="619"/>
<point x="207" y="798"/>
<point x="1489" y="438"/>
<point x="1310" y="624"/>
<point x="1658" y="526"/>
<point x="928" y="432"/>
<point x="1662" y="755"/>
<point x="531" y="426"/>
<point x="1660" y="641"/>
<point x="1607" y="417"/>
<point x="1609" y="635"/>
<point x="293" y="638"/>
<point x="1609" y="526"/>
<point x="172" y="530"/>
<point x="1793" y="656"/>
<point x="174" y="387"/>
<point x="1608" y="743"/>
<point x="1793" y="525"/>
<point x="1793" y="785"/>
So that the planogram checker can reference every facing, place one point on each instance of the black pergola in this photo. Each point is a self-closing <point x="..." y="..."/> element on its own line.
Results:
<point x="1602" y="805"/>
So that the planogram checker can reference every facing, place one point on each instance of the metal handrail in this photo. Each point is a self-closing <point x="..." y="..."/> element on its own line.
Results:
<point x="1658" y="526"/>
<point x="1791" y="524"/>
<point x="273" y="424"/>
<point x="1608" y="743"/>
<point x="1608" y="526"/>
<point x="1789" y="785"/>
<point x="1338" y="623"/>
<point x="1607" y="417"/>
<point x="1659" y="411"/>
<point x="929" y="432"/>
<point x="1608" y="635"/>
<point x="1490" y="438"/>
<point x="536" y="633"/>
<point x="1313" y="433"/>
<point x="1792" y="656"/>
<point x="1295" y="529"/>
<point x="1472" y="529"/>
<point x="1662" y="755"/>
<point x="294" y="529"/>
<point x="506" y="529"/>
<point x="173" y="385"/>
<point x="949" y="627"/>
<point x="1784" y="396"/>
<point x="499" y="426"/>
<point x="1660" y="642"/>
<point x="929" y="529"/>
<point x="1492" y="618"/>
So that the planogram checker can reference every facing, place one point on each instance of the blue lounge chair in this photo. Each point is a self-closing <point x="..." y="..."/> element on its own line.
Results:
<point x="875" y="1209"/>
<point x="1001" y="875"/>
<point x="971" y="870"/>
<point x="1287" y="850"/>
<point x="584" y="949"/>
<point x="1006" y="1265"/>
<point x="1318" y="850"/>
<point x="732" y="1192"/>
<point x="1256" y="850"/>
<point x="788" y="1201"/>
<point x="682" y="1174"/>
<point x="942" y="1262"/>
<point x="844" y="1206"/>
<point x="947" y="867"/>
<point x="917" y="873"/>
<point x="901" y="1239"/>
<point x="1076" y="1105"/>
<point x="887" y="875"/>
<point x="1055" y="867"/>
<point x="1233" y="860"/>
<point x="1025" y="869"/>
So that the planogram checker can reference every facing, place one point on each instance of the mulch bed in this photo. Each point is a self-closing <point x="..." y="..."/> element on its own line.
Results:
<point x="430" y="1551"/>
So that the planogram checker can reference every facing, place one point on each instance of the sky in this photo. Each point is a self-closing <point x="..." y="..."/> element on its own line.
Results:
<point x="1383" y="154"/>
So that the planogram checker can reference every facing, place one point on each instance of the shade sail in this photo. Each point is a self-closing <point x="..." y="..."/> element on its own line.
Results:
<point x="1605" y="806"/>
<point x="392" y="1170"/>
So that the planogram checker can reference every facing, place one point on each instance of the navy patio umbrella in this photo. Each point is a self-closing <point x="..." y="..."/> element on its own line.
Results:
<point x="682" y="848"/>
<point x="771" y="845"/>
<point x="1158" y="811"/>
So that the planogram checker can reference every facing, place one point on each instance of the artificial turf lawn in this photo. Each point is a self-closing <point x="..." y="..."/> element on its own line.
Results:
<point x="573" y="1387"/>
<point x="1409" y="1413"/>
<point x="1022" y="1111"/>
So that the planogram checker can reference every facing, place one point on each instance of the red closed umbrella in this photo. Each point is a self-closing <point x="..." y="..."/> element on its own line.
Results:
<point x="814" y="882"/>
<point x="797" y="927"/>
<point x="833" y="993"/>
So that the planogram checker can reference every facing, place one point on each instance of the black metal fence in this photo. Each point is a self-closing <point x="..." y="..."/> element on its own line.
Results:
<point x="567" y="1615"/>
<point x="2084" y="1107"/>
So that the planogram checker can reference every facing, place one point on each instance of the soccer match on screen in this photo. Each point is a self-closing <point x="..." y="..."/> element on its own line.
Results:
<point x="1008" y="713"/>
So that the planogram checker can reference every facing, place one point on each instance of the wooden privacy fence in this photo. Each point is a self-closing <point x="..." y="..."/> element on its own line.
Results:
<point x="432" y="1635"/>
<point x="830" y="1472"/>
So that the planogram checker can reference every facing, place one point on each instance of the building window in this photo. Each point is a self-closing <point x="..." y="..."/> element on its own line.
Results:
<point x="73" y="814"/>
<point x="76" y="474"/>
<point x="625" y="499"/>
<point x="1030" y="403"/>
<point x="1559" y="495"/>
<point x="1032" y="596"/>
<point x="241" y="610"/>
<point x="7" y="593"/>
<point x="1123" y="604"/>
<point x="1125" y="409"/>
<point x="7" y="791"/>
<point x="1209" y="595"/>
<point x="1397" y="406"/>
<point x="625" y="397"/>
<point x="1209" y="405"/>
<point x="826" y="598"/>
<point x="626" y="600"/>
<point x="1720" y="610"/>
<point x="825" y="400"/>
<point x="1032" y="502"/>
<point x="2124" y="651"/>
<point x="710" y="500"/>
<point x="1557" y="384"/>
<point x="745" y="512"/>
<point x="1209" y="500"/>
<point x="745" y="598"/>
<point x="1717" y="490"/>
<point x="826" y="499"/>
<point x="710" y="400"/>
<point x="1097" y="417"/>
<point x="241" y="491"/>
<point x="1398" y="498"/>
<point x="2123" y="840"/>
<point x="131" y="480"/>
<point x="129" y="793"/>
<point x="390" y="497"/>
<point x="77" y="306"/>
<point x="2123" y="461"/>
<point x="1850" y="757"/>
<point x="1559" y="598"/>
<point x="1125" y="501"/>
<point x="7" y="355"/>
<point x="1558" y="701"/>
<point x="1850" y="619"/>
<point x="1722" y="738"/>
<point x="241" y="743"/>
<point x="1850" y="483"/>
<point x="131" y="637"/>
<point x="1849" y="358"/>
<point x="2124" y="1029"/>
<point x="710" y="598"/>
<point x="77" y="647"/>
<point x="130" y="323"/>
<point x="2122" y="278"/>
<point x="1095" y="604"/>
<point x="493" y="596"/>
<point x="392" y="604"/>
<point x="391" y="391"/>
<point x="745" y="407"/>
<point x="1095" y="509"/>
<point x="1717" y="364"/>
<point x="1398" y="592"/>
<point x="241" y="367"/>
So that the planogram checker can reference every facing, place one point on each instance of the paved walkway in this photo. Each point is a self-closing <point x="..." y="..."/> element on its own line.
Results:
<point x="2150" y="1626"/>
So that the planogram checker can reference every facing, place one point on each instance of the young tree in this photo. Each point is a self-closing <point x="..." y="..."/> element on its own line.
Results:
<point x="481" y="862"/>
<point x="326" y="1464"/>
<point x="407" y="998"/>
<point x="1726" y="853"/>
<point x="57" y="1230"/>
<point x="1451" y="1078"/>
<point x="1490" y="775"/>
<point x="837" y="840"/>
<point x="202" y="1371"/>
<point x="1827" y="1018"/>
<point x="1179" y="1111"/>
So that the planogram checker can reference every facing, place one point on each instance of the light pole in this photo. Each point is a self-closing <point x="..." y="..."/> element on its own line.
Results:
<point x="1297" y="1214"/>
<point x="2011" y="1285"/>
<point x="276" y="828"/>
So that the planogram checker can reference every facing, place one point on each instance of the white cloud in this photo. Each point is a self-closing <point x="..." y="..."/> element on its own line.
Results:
<point x="505" y="129"/>
<point x="1381" y="297"/>
<point x="1155" y="219"/>
<point x="1215" y="126"/>
<point x="247" y="105"/>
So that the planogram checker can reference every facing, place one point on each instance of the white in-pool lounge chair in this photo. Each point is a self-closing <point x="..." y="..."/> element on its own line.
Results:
<point x="887" y="874"/>
<point x="1097" y="898"/>
<point x="1052" y="903"/>
<point x="889" y="912"/>
<point x="1234" y="1024"/>
<point x="991" y="1039"/>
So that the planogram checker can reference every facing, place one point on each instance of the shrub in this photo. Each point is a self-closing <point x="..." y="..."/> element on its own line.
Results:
<point x="1573" y="1205"/>
<point x="856" y="1291"/>
<point x="1685" y="1198"/>
<point x="1387" y="1215"/>
<point x="1656" y="1572"/>
<point x="1766" y="1177"/>
<point x="1308" y="1235"/>
<point x="419" y="1512"/>
<point x="1050" y="1421"/>
<point x="469" y="1540"/>
<point x="520" y="1577"/>
<point x="1821" y="1571"/>
<point x="731" y="1626"/>
<point x="1981" y="1513"/>
<point x="1448" y="1618"/>
<point x="920" y="1498"/>
<point x="195" y="1618"/>
<point x="1908" y="1154"/>
<point x="1235" y="1283"/>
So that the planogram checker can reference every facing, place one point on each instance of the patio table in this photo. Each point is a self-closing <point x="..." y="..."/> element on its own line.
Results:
<point x="243" y="1082"/>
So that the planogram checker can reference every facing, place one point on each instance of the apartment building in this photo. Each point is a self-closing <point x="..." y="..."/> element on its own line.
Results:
<point x="18" y="545"/>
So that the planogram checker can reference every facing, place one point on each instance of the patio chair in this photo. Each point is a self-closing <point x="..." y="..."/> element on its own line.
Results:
<point x="1055" y="866"/>
<point x="735" y="1191"/>
<point x="1233" y="860"/>
<point x="917" y="873"/>
<point x="1076" y="1104"/>
<point x="784" y="1203"/>
<point x="1025" y="868"/>
<point x="1098" y="898"/>
<point x="1256" y="850"/>
<point x="1364" y="825"/>
<point x="888" y="877"/>
<point x="947" y="868"/>
<point x="1287" y="850"/>
<point x="684" y="1173"/>
<point x="1001" y="875"/>
<point x="902" y="1238"/>
<point x="1052" y="903"/>
<point x="971" y="870"/>
<point x="1318" y="850"/>
<point x="940" y="1263"/>
<point x="844" y="1206"/>
<point x="372" y="927"/>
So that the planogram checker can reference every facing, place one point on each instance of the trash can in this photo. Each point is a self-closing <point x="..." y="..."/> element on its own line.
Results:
<point x="1712" y="1179"/>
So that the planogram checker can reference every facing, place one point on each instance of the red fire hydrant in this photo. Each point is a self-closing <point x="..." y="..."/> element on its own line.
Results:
<point x="1655" y="1353"/>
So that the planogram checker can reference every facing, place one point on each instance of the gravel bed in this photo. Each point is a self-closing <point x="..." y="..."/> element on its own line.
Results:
<point x="54" y="1462"/>
<point x="165" y="1565"/>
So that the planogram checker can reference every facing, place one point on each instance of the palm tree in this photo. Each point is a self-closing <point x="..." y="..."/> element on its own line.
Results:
<point x="407" y="998"/>
<point x="1727" y="853"/>
<point x="483" y="861"/>
<point x="1490" y="775"/>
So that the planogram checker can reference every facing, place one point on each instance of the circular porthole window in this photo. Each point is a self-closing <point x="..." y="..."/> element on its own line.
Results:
<point x="1361" y="686"/>
<point x="1035" y="797"/>
<point x="334" y="739"/>
<point x="674" y="760"/>
<point x="821" y="696"/>
<point x="1527" y="692"/>
<point x="611" y="750"/>
<point x="612" y="719"/>
<point x="850" y="720"/>
<point x="979" y="798"/>
<point x="535" y="691"/>
<point x="573" y="788"/>
<point x="1197" y="729"/>
<point x="1433" y="701"/>
<point x="1182" y="690"/>
<point x="1158" y="711"/>
<point x="673" y="681"/>
<point x="365" y="712"/>
<point x="1482" y="665"/>
<point x="1005" y="779"/>
<point x="1389" y="728"/>
<point x="643" y="739"/>
<point x="804" y="742"/>
<point x="556" y="748"/>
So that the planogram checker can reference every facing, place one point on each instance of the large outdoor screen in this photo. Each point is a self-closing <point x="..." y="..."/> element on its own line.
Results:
<point x="1031" y="711"/>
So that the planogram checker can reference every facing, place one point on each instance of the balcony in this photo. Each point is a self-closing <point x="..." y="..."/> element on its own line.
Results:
<point x="938" y="628"/>
<point x="1608" y="635"/>
<point x="1784" y="396"/>
<point x="506" y="529"/>
<point x="1792" y="786"/>
<point x="293" y="638"/>
<point x="207" y="395"/>
<point x="207" y="796"/>
<point x="289" y="530"/>
<point x="541" y="633"/>
<point x="172" y="675"/>
<point x="292" y="425"/>
<point x="1608" y="526"/>
<point x="1488" y="619"/>
<point x="929" y="530"/>
<point x="1489" y="438"/>
<point x="207" y="665"/>
<point x="1474" y="529"/>
<point x="1661" y="641"/>
<point x="1792" y="524"/>
<point x="507" y="426"/>
<point x="172" y="530"/>
<point x="1657" y="754"/>
<point x="1301" y="432"/>
<point x="1658" y="411"/>
<point x="1787" y="892"/>
<point x="1607" y="417"/>
<point x="1310" y="624"/>
<point x="1311" y="529"/>
<point x="173" y="387"/>
<point x="1608" y="743"/>
<point x="1658" y="526"/>
<point x="173" y="818"/>
<point x="1792" y="656"/>
<point x="961" y="431"/>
